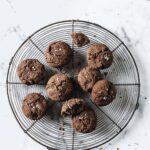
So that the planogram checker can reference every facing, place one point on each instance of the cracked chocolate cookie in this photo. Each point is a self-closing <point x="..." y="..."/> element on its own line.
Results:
<point x="85" y="122"/>
<point x="103" y="93"/>
<point x="34" y="106"/>
<point x="73" y="107"/>
<point x="30" y="71"/>
<point x="59" y="87"/>
<point x="99" y="56"/>
<point x="87" y="77"/>
<point x="58" y="54"/>
<point x="80" y="39"/>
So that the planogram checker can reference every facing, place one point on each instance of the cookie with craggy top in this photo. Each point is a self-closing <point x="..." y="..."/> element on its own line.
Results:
<point x="80" y="39"/>
<point x="72" y="107"/>
<point x="103" y="93"/>
<point x="30" y="71"/>
<point x="85" y="121"/>
<point x="59" y="87"/>
<point x="87" y="77"/>
<point x="34" y="106"/>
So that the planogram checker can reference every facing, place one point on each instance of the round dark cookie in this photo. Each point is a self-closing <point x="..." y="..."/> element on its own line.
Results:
<point x="87" y="77"/>
<point x="80" y="39"/>
<point x="99" y="56"/>
<point x="30" y="71"/>
<point x="34" y="106"/>
<point x="73" y="107"/>
<point x="59" y="87"/>
<point x="58" y="54"/>
<point x="103" y="93"/>
<point x="85" y="122"/>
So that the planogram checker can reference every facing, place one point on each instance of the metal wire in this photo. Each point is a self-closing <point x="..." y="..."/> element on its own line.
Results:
<point x="112" y="119"/>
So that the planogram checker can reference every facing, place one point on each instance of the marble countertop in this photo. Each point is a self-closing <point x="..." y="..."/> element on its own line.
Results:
<point x="130" y="20"/>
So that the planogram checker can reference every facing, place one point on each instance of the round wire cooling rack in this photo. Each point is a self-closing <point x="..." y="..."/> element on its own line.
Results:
<point x="53" y="131"/>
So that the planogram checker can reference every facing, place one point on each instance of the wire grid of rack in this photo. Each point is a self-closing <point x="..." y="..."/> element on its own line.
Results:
<point x="53" y="131"/>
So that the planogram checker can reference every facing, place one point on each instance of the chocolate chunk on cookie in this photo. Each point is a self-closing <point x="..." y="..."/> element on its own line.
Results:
<point x="73" y="107"/>
<point x="103" y="93"/>
<point x="80" y="39"/>
<point x="99" y="56"/>
<point x="30" y="71"/>
<point x="58" y="54"/>
<point x="59" y="87"/>
<point x="87" y="77"/>
<point x="34" y="106"/>
<point x="85" y="122"/>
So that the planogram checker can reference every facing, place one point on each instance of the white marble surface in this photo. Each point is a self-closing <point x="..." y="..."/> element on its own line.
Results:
<point x="129" y="19"/>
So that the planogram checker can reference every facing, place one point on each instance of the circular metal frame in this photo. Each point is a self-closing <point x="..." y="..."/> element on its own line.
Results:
<point x="86" y="23"/>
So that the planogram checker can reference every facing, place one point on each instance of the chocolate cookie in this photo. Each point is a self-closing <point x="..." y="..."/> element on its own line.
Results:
<point x="58" y="54"/>
<point x="73" y="107"/>
<point x="103" y="93"/>
<point x="87" y="77"/>
<point x="30" y="71"/>
<point x="34" y="106"/>
<point x="59" y="87"/>
<point x="85" y="122"/>
<point x="99" y="56"/>
<point x="80" y="39"/>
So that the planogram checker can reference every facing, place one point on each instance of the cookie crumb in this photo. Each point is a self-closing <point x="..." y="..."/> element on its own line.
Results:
<point x="105" y="73"/>
<point x="80" y="39"/>
<point x="61" y="128"/>
<point x="85" y="122"/>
